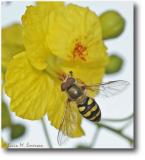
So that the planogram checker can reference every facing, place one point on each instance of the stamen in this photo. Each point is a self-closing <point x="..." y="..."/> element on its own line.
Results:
<point x="79" y="51"/>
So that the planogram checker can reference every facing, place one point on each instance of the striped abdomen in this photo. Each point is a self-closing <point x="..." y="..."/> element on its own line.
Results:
<point x="90" y="110"/>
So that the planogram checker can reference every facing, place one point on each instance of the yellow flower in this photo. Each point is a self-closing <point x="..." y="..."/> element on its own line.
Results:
<point x="58" y="39"/>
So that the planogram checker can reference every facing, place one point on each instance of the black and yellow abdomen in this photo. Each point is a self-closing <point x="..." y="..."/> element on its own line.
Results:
<point x="90" y="109"/>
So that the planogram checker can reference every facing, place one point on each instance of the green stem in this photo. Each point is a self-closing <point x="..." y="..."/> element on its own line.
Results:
<point x="46" y="133"/>
<point x="126" y="125"/>
<point x="117" y="131"/>
<point x="95" y="137"/>
<point x="118" y="120"/>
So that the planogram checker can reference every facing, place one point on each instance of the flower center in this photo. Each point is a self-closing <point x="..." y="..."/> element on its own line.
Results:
<point x="79" y="51"/>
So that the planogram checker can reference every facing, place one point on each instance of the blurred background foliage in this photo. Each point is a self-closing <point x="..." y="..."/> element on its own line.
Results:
<point x="113" y="25"/>
<point x="16" y="130"/>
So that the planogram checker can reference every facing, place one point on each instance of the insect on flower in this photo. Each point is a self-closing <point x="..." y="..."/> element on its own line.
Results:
<point x="76" y="91"/>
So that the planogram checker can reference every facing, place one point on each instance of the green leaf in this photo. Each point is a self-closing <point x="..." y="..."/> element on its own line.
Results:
<point x="114" y="65"/>
<point x="112" y="24"/>
<point x="17" y="130"/>
<point x="6" y="119"/>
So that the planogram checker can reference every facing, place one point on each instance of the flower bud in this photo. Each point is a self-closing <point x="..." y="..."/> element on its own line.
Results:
<point x="112" y="24"/>
<point x="114" y="65"/>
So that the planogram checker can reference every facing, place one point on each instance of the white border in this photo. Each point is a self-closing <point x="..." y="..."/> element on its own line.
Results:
<point x="139" y="153"/>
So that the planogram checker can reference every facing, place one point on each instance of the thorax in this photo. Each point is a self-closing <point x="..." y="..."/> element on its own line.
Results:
<point x="74" y="92"/>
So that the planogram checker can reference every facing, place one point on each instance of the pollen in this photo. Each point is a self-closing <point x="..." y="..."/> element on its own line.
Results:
<point x="80" y="51"/>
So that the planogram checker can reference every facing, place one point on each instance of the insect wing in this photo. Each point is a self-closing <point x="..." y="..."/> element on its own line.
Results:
<point x="109" y="88"/>
<point x="69" y="123"/>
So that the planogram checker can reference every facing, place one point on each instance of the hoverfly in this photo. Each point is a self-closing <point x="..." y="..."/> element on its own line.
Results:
<point x="81" y="103"/>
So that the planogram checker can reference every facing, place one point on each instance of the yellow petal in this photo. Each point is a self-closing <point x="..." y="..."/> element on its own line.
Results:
<point x="29" y="89"/>
<point x="35" y="24"/>
<point x="11" y="45"/>
<point x="55" y="28"/>
<point x="76" y="25"/>
<point x="89" y="73"/>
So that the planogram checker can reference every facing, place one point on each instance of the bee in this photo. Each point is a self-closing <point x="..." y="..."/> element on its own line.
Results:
<point x="78" y="102"/>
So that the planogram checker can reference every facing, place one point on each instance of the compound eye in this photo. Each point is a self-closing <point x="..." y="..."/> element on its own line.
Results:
<point x="71" y="80"/>
<point x="63" y="86"/>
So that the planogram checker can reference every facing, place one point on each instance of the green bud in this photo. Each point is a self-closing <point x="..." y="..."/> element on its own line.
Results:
<point x="112" y="24"/>
<point x="114" y="65"/>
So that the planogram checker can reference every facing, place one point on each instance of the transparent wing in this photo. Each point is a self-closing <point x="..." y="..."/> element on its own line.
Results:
<point x="69" y="123"/>
<point x="109" y="88"/>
